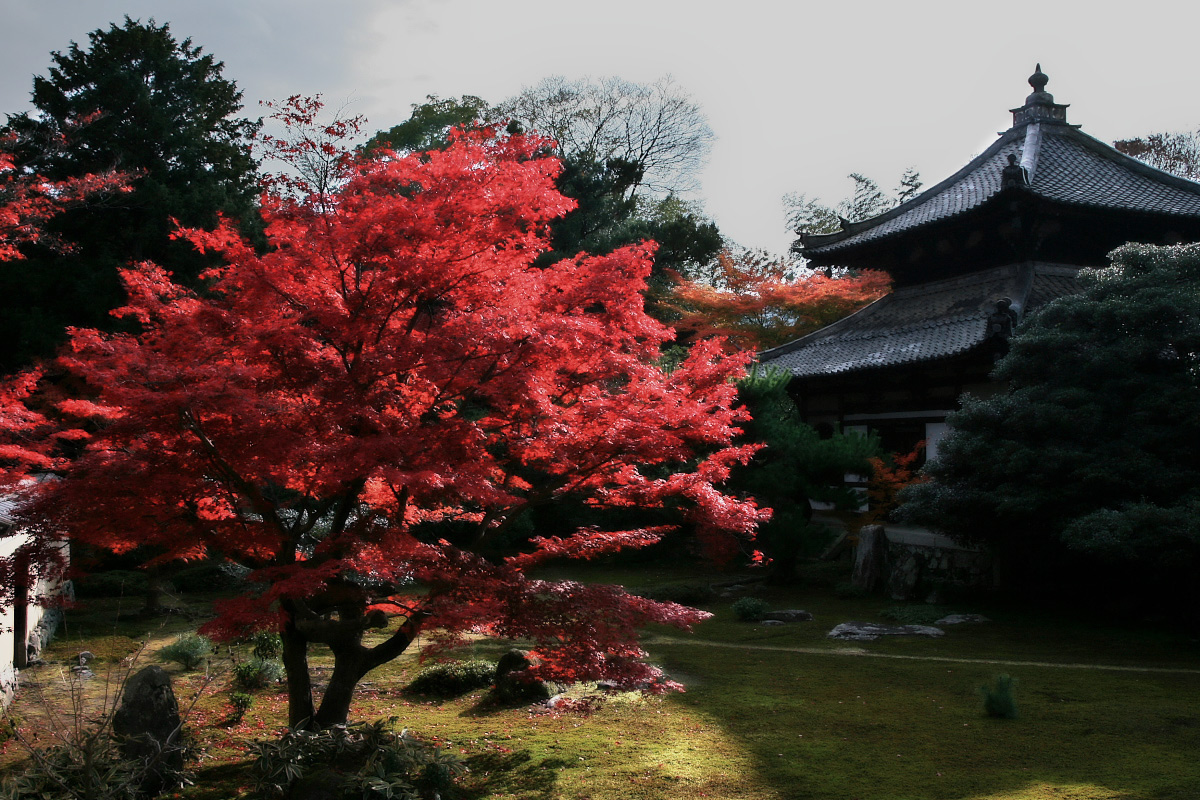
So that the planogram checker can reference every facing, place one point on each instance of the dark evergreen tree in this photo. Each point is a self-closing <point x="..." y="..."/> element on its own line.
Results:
<point x="158" y="109"/>
<point x="430" y="122"/>
<point x="1085" y="467"/>
<point x="795" y="467"/>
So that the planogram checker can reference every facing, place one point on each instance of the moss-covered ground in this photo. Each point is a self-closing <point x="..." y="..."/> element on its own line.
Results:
<point x="1106" y="711"/>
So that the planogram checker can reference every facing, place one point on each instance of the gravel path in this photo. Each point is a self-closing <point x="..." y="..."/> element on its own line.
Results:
<point x="861" y="653"/>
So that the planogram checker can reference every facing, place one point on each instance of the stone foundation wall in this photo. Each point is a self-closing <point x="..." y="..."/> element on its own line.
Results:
<point x="920" y="563"/>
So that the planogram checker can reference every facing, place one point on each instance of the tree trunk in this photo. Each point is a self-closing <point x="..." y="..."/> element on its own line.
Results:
<point x="349" y="667"/>
<point x="299" y="683"/>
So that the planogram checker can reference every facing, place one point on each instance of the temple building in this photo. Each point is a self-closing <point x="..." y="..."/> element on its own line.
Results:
<point x="969" y="258"/>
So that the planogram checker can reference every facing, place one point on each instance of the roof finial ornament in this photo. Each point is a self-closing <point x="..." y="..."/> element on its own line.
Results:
<point x="1040" y="105"/>
<point x="1038" y="79"/>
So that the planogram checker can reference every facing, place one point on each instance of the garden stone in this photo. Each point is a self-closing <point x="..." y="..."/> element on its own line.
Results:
<point x="84" y="657"/>
<point x="147" y="723"/>
<point x="905" y="577"/>
<point x="869" y="557"/>
<point x="870" y="631"/>
<point x="958" y="619"/>
<point x="510" y="687"/>
<point x="789" y="615"/>
<point x="770" y="622"/>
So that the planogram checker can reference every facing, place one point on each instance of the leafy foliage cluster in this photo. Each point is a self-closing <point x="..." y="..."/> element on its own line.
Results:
<point x="757" y="302"/>
<point x="190" y="650"/>
<point x="750" y="609"/>
<point x="367" y="760"/>
<point x="1177" y="152"/>
<point x="257" y="673"/>
<point x="453" y="678"/>
<point x="890" y="475"/>
<point x="998" y="698"/>
<point x="1088" y="455"/>
<point x="795" y="466"/>
<point x="160" y="111"/>
<point x="807" y="215"/>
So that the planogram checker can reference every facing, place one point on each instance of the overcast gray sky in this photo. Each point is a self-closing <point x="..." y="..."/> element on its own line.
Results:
<point x="799" y="94"/>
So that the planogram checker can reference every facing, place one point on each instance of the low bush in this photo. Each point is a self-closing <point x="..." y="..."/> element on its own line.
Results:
<point x="750" y="609"/>
<point x="191" y="650"/>
<point x="362" y="760"/>
<point x="848" y="591"/>
<point x="240" y="702"/>
<point x="453" y="678"/>
<point x="8" y="727"/>
<point x="91" y="766"/>
<point x="210" y="576"/>
<point x="257" y="673"/>
<point x="114" y="583"/>
<point x="267" y="645"/>
<point x="915" y="614"/>
<point x="688" y="594"/>
<point x="998" y="700"/>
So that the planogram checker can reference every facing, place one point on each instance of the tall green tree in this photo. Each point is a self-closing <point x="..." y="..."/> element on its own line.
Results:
<point x="810" y="215"/>
<point x="430" y="123"/>
<point x="139" y="101"/>
<point x="1085" y="465"/>
<point x="794" y="467"/>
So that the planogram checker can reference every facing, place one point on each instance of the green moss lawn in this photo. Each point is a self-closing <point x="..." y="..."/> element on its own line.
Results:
<point x="1106" y="712"/>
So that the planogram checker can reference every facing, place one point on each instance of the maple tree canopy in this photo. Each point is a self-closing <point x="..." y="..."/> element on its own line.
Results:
<point x="392" y="362"/>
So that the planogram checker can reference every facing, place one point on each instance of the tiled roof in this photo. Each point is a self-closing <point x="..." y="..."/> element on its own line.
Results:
<point x="921" y="323"/>
<point x="1060" y="163"/>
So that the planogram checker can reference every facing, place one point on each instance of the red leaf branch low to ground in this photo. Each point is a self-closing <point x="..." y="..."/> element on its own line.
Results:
<point x="390" y="365"/>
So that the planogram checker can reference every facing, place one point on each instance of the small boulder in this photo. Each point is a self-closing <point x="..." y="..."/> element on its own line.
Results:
<point x="870" y="631"/>
<point x="513" y="686"/>
<point x="771" y="622"/>
<point x="147" y="723"/>
<point x="958" y="619"/>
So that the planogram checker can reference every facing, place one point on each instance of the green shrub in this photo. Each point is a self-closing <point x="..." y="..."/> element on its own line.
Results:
<point x="998" y="700"/>
<point x="257" y="673"/>
<point x="9" y="724"/>
<point x="453" y="678"/>
<point x="847" y="590"/>
<point x="919" y="614"/>
<point x="688" y="594"/>
<point x="267" y="645"/>
<point x="358" y="760"/>
<point x="91" y="766"/>
<point x="241" y="702"/>
<point x="114" y="583"/>
<point x="210" y="576"/>
<point x="191" y="650"/>
<point x="750" y="609"/>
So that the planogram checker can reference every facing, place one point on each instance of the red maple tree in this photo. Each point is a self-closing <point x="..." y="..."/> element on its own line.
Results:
<point x="755" y="302"/>
<point x="392" y="364"/>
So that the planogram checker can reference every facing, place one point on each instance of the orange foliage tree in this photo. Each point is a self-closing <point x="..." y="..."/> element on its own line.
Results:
<point x="757" y="302"/>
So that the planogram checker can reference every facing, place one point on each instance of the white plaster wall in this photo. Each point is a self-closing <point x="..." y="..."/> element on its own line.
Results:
<point x="33" y="615"/>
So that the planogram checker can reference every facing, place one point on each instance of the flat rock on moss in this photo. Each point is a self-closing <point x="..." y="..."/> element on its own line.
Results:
<point x="870" y="631"/>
